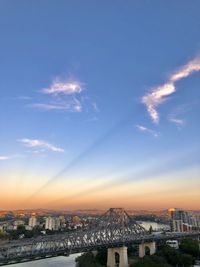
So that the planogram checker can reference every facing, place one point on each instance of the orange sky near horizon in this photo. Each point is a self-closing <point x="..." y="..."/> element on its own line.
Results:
<point x="139" y="194"/>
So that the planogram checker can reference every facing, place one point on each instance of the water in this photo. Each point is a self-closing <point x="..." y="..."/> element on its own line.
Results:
<point x="51" y="262"/>
<point x="155" y="226"/>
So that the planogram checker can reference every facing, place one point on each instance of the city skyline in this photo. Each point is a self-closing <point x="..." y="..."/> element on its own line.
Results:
<point x="99" y="104"/>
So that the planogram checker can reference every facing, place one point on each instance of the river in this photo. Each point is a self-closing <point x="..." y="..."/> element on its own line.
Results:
<point x="51" y="262"/>
<point x="155" y="226"/>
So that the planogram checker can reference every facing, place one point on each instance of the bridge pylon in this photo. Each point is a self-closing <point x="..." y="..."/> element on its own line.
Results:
<point x="143" y="247"/>
<point x="121" y="252"/>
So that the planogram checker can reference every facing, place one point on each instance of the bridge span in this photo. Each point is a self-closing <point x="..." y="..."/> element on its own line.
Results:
<point x="114" y="229"/>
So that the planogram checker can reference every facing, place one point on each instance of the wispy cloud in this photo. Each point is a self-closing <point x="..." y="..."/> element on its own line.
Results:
<point x="61" y="95"/>
<point x="67" y="95"/>
<point x="95" y="106"/>
<point x="158" y="94"/>
<point x="147" y="130"/>
<point x="2" y="158"/>
<point x="40" y="144"/>
<point x="5" y="157"/>
<point x="65" y="87"/>
<point x="177" y="114"/>
<point x="73" y="105"/>
<point x="49" y="106"/>
<point x="177" y="121"/>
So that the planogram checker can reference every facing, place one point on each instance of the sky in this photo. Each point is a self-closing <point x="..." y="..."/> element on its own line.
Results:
<point x="99" y="104"/>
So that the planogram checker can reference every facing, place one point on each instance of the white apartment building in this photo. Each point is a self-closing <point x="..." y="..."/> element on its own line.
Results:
<point x="52" y="223"/>
<point x="32" y="221"/>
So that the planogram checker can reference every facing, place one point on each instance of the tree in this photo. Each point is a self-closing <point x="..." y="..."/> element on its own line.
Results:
<point x="88" y="260"/>
<point x="101" y="257"/>
<point x="190" y="246"/>
<point x="171" y="255"/>
<point x="150" y="229"/>
<point x="152" y="261"/>
<point x="186" y="260"/>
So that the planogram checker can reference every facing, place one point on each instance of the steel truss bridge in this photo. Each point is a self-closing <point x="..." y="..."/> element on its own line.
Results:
<point x="113" y="229"/>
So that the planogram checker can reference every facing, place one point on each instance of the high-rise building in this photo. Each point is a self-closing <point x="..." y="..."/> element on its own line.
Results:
<point x="32" y="221"/>
<point x="52" y="223"/>
<point x="181" y="220"/>
<point x="62" y="221"/>
<point x="171" y="212"/>
<point x="195" y="219"/>
<point x="177" y="226"/>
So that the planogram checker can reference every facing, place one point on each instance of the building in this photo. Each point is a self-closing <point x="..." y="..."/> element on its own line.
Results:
<point x="52" y="223"/>
<point x="18" y="223"/>
<point x="171" y="213"/>
<point x="62" y="221"/>
<point x="32" y="221"/>
<point x="181" y="220"/>
<point x="176" y="225"/>
<point x="196" y="221"/>
<point x="28" y="228"/>
<point x="76" y="219"/>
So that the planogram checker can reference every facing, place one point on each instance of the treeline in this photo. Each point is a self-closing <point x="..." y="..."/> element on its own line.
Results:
<point x="170" y="257"/>
<point x="21" y="231"/>
<point x="90" y="260"/>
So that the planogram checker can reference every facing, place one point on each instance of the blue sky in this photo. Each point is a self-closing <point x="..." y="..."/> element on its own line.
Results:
<point x="99" y="96"/>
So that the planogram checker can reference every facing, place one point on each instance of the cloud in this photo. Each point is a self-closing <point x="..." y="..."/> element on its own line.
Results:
<point x="158" y="94"/>
<point x="35" y="144"/>
<point x="11" y="157"/>
<point x="177" y="121"/>
<point x="49" y="106"/>
<point x="60" y="87"/>
<point x="95" y="106"/>
<point x="175" y="116"/>
<point x="147" y="130"/>
<point x="61" y="95"/>
<point x="74" y="105"/>
<point x="5" y="157"/>
<point x="64" y="95"/>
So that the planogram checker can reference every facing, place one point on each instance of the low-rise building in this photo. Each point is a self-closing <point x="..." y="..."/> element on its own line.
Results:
<point x="76" y="219"/>
<point x="18" y="223"/>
